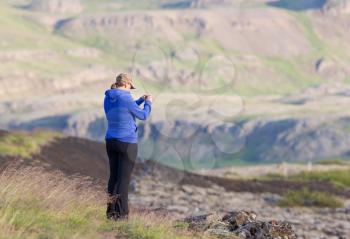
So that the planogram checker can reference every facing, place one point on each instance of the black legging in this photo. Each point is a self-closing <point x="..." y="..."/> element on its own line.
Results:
<point x="122" y="158"/>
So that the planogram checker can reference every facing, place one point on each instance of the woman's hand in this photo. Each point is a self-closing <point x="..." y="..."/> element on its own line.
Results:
<point x="148" y="97"/>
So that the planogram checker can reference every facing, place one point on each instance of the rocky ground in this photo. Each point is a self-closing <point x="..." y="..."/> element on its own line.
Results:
<point x="180" y="200"/>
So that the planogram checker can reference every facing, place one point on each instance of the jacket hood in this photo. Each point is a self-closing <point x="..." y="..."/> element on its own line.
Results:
<point x="114" y="93"/>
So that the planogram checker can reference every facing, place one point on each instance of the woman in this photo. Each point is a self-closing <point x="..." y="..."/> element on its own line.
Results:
<point x="121" y="141"/>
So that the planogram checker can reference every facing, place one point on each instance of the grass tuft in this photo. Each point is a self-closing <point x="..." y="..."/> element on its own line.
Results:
<point x="307" y="198"/>
<point x="25" y="144"/>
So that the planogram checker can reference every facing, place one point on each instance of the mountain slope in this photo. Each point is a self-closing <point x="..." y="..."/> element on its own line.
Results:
<point x="252" y="63"/>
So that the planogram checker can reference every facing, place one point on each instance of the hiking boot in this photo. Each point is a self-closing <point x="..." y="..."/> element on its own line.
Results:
<point x="121" y="218"/>
<point x="111" y="212"/>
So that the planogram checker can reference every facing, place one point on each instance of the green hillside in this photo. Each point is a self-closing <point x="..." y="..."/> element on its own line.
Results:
<point x="281" y="72"/>
<point x="22" y="29"/>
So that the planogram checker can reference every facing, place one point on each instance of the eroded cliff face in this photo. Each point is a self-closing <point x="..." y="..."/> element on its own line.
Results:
<point x="258" y="140"/>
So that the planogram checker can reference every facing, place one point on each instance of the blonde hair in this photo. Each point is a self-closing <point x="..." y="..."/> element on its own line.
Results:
<point x="120" y="80"/>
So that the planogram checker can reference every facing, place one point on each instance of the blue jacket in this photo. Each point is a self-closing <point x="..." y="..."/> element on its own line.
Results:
<point x="121" y="110"/>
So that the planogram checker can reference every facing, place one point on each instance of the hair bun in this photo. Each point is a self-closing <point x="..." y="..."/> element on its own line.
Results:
<point x="114" y="86"/>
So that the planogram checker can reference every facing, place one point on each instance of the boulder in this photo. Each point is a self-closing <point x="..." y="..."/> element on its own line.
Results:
<point x="331" y="69"/>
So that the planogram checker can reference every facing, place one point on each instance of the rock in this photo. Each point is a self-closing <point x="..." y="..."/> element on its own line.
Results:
<point x="242" y="224"/>
<point x="237" y="219"/>
<point x="187" y="189"/>
<point x="197" y="218"/>
<point x="281" y="229"/>
<point x="178" y="208"/>
<point x="272" y="199"/>
<point x="331" y="69"/>
<point x="221" y="233"/>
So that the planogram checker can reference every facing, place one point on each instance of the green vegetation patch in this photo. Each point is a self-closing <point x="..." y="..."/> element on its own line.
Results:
<point x="307" y="198"/>
<point x="24" y="144"/>
<point x="338" y="177"/>
<point x="141" y="227"/>
<point x="334" y="162"/>
<point x="39" y="204"/>
<point x="310" y="34"/>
